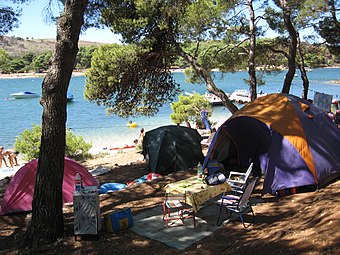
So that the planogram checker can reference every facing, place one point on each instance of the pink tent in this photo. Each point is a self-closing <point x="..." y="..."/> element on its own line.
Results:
<point x="19" y="193"/>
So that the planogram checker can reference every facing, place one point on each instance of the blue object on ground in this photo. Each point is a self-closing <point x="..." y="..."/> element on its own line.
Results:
<point x="141" y="179"/>
<point x="111" y="186"/>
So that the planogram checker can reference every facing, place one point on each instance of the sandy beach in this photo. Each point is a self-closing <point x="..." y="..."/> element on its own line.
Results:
<point x="82" y="72"/>
<point x="39" y="75"/>
<point x="33" y="75"/>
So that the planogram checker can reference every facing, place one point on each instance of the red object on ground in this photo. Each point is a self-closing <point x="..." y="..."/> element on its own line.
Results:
<point x="121" y="148"/>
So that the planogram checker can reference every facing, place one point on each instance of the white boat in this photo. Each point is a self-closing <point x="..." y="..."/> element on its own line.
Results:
<point x="69" y="97"/>
<point x="213" y="99"/>
<point x="24" y="94"/>
<point x="188" y="93"/>
<point x="240" y="96"/>
<point x="243" y="96"/>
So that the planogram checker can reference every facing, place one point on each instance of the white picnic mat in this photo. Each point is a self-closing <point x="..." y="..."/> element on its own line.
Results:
<point x="150" y="224"/>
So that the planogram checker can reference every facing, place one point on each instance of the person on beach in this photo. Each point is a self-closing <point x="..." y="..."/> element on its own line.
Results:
<point x="2" y="157"/>
<point x="141" y="136"/>
<point x="139" y="142"/>
<point x="12" y="156"/>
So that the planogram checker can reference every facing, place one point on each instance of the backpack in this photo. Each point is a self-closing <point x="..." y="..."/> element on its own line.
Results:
<point x="215" y="179"/>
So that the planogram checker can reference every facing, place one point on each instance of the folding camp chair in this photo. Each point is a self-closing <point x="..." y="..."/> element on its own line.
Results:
<point x="238" y="204"/>
<point x="176" y="203"/>
<point x="238" y="180"/>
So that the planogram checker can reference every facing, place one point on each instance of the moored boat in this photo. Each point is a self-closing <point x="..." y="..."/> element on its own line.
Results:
<point x="69" y="97"/>
<point x="243" y="96"/>
<point x="240" y="96"/>
<point x="24" y="94"/>
<point x="213" y="100"/>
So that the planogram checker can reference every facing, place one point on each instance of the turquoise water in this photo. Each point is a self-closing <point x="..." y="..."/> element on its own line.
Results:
<point x="91" y="121"/>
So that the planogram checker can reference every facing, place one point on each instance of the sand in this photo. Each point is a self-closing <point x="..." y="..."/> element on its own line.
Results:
<point x="32" y="75"/>
<point x="306" y="223"/>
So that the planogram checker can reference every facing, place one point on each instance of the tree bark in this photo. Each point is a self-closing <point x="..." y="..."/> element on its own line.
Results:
<point x="211" y="87"/>
<point x="251" y="58"/>
<point x="303" y="72"/>
<point x="47" y="223"/>
<point x="332" y="10"/>
<point x="292" y="47"/>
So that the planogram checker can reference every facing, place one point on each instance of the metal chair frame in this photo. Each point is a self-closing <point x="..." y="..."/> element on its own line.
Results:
<point x="177" y="202"/>
<point x="238" y="204"/>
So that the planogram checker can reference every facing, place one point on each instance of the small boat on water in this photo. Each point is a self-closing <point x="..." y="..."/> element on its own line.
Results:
<point x="213" y="100"/>
<point x="24" y="94"/>
<point x="132" y="124"/>
<point x="69" y="97"/>
<point x="242" y="96"/>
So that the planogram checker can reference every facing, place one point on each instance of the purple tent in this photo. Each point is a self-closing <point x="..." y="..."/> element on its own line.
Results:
<point x="289" y="139"/>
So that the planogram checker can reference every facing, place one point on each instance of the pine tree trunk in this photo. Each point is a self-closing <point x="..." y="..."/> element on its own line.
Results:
<point x="251" y="58"/>
<point x="47" y="223"/>
<point x="210" y="85"/>
<point x="292" y="47"/>
<point x="303" y="72"/>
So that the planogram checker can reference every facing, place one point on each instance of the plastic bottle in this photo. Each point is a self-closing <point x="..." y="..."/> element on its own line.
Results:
<point x="78" y="182"/>
<point x="199" y="171"/>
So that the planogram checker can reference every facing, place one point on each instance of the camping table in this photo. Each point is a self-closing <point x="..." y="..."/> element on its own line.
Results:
<point x="196" y="191"/>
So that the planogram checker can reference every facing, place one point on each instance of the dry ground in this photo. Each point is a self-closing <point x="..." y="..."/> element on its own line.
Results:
<point x="306" y="223"/>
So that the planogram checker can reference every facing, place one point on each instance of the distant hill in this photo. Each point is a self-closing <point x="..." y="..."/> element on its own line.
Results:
<point x="17" y="46"/>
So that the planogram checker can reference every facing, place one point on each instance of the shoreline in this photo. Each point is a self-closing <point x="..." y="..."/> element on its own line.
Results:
<point x="104" y="137"/>
<point x="42" y="75"/>
<point x="34" y="75"/>
<point x="82" y="73"/>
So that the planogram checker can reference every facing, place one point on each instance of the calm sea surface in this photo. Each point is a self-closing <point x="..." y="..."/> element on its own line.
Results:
<point x="94" y="125"/>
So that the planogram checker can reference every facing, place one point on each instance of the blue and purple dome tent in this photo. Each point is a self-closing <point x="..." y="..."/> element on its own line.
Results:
<point x="293" y="142"/>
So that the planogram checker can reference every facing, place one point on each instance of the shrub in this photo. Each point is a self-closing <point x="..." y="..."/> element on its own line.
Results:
<point x="76" y="147"/>
<point x="188" y="108"/>
<point x="28" y="143"/>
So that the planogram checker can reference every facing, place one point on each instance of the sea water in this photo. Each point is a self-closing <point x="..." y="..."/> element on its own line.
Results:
<point x="105" y="131"/>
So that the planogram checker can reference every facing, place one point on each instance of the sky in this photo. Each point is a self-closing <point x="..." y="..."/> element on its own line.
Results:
<point x="32" y="25"/>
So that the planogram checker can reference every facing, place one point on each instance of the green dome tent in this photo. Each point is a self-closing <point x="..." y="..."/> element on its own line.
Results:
<point x="172" y="148"/>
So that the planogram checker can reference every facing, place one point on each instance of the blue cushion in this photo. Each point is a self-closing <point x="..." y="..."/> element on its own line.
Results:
<point x="112" y="186"/>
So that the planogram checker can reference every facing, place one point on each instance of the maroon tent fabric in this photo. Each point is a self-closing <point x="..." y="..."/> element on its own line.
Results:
<point x="19" y="193"/>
